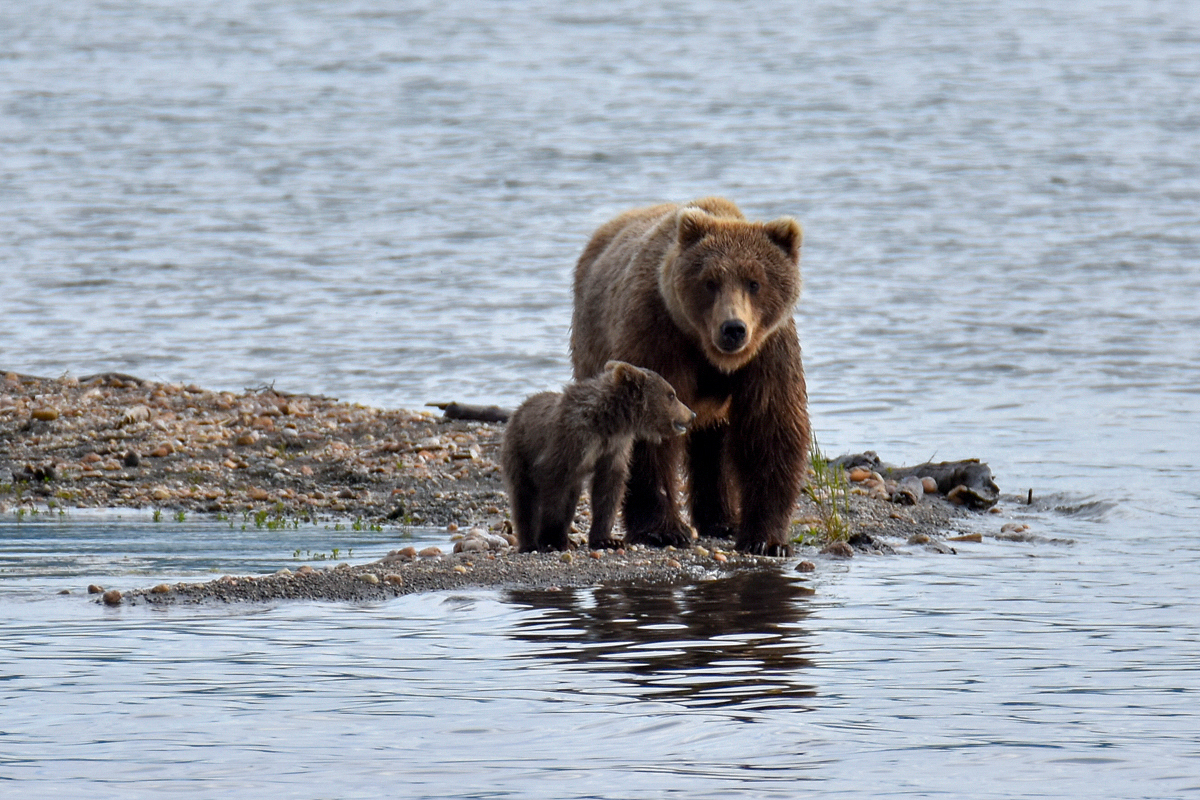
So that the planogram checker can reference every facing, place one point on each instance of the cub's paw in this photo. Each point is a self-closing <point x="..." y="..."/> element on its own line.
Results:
<point x="669" y="532"/>
<point x="772" y="549"/>
<point x="605" y="543"/>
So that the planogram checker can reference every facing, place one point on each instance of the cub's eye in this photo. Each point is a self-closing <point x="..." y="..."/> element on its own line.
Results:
<point x="711" y="286"/>
<point x="671" y="397"/>
<point x="753" y="287"/>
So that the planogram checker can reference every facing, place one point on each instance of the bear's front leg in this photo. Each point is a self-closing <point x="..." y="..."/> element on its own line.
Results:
<point x="709" y="492"/>
<point x="651" y="513"/>
<point x="608" y="483"/>
<point x="771" y="456"/>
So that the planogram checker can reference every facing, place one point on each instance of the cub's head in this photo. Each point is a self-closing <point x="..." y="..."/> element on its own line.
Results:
<point x="654" y="412"/>
<point x="731" y="283"/>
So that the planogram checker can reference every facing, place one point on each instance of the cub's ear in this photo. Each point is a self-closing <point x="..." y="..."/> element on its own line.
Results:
<point x="786" y="234"/>
<point x="621" y="372"/>
<point x="693" y="225"/>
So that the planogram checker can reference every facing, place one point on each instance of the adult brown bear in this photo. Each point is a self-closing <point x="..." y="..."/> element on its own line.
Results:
<point x="704" y="298"/>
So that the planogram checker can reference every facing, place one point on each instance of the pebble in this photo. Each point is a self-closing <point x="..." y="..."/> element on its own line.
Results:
<point x="162" y="451"/>
<point x="161" y="588"/>
<point x="701" y="551"/>
<point x="838" y="550"/>
<point x="858" y="475"/>
<point x="112" y="598"/>
<point x="806" y="566"/>
<point x="393" y="579"/>
<point x="673" y="563"/>
<point x="969" y="537"/>
<point x="1013" y="527"/>
<point x="132" y="459"/>
<point x="45" y="414"/>
<point x="919" y="538"/>
<point x="721" y="557"/>
<point x="258" y="493"/>
<point x="930" y="485"/>
<point x="160" y="493"/>
<point x="369" y="577"/>
<point x="305" y="570"/>
<point x="433" y="551"/>
<point x="284" y="573"/>
<point x="565" y="558"/>
<point x="94" y="589"/>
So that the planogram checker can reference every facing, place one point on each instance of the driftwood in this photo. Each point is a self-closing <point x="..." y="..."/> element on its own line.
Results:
<point x="475" y="413"/>
<point x="968" y="482"/>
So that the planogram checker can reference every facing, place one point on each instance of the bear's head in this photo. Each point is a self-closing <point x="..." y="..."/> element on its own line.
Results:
<point x="653" y="410"/>
<point x="731" y="283"/>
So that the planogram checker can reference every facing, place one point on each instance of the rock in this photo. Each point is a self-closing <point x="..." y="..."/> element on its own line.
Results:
<point x="919" y="538"/>
<point x="806" y="566"/>
<point x="838" y="550"/>
<point x="112" y="598"/>
<point x="258" y="493"/>
<point x="433" y="551"/>
<point x="393" y="579"/>
<point x="284" y="573"/>
<point x="701" y="551"/>
<point x="909" y="491"/>
<point x="132" y="459"/>
<point x="1013" y="527"/>
<point x="720" y="557"/>
<point x="968" y="537"/>
<point x="369" y="577"/>
<point x="161" y="493"/>
<point x="858" y="475"/>
<point x="305" y="570"/>
<point x="94" y="589"/>
<point x="246" y="439"/>
<point x="134" y="415"/>
<point x="162" y="451"/>
<point x="929" y="485"/>
<point x="45" y="414"/>
<point x="161" y="588"/>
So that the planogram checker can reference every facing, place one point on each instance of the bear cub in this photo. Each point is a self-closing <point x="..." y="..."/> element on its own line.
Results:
<point x="555" y="442"/>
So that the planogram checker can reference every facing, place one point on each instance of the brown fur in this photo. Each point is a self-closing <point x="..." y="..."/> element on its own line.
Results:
<point x="705" y="298"/>
<point x="555" y="442"/>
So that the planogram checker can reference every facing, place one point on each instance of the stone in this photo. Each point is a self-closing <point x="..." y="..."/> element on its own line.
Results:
<point x="806" y="566"/>
<point x="94" y="589"/>
<point x="433" y="551"/>
<point x="132" y="459"/>
<point x="161" y="588"/>
<point x="45" y="414"/>
<point x="393" y="579"/>
<point x="930" y="485"/>
<point x="838" y="550"/>
<point x="112" y="598"/>
<point x="919" y="538"/>
<point x="369" y="577"/>
<point x="968" y="537"/>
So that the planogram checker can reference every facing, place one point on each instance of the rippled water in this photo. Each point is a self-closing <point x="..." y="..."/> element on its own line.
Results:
<point x="384" y="204"/>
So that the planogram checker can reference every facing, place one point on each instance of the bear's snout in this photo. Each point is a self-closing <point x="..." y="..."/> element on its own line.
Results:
<point x="733" y="335"/>
<point x="682" y="424"/>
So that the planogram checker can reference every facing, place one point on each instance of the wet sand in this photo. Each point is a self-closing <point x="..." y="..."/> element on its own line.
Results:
<point x="116" y="441"/>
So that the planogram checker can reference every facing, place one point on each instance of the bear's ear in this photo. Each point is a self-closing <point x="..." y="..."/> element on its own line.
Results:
<point x="620" y="372"/>
<point x="786" y="234"/>
<point x="694" y="224"/>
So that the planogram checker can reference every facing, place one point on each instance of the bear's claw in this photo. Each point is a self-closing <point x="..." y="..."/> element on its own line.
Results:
<point x="675" y="534"/>
<point x="771" y="549"/>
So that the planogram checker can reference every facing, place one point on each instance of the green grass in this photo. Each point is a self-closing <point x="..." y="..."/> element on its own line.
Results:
<point x="829" y="489"/>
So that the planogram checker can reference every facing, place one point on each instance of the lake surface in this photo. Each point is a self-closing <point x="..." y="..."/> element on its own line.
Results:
<point x="384" y="203"/>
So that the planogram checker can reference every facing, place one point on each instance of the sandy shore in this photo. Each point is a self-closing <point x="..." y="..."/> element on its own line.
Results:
<point x="112" y="440"/>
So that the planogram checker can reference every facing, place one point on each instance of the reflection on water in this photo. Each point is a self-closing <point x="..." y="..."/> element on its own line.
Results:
<point x="736" y="642"/>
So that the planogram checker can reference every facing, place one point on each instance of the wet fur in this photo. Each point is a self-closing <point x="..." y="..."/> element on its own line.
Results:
<point x="556" y="442"/>
<point x="653" y="287"/>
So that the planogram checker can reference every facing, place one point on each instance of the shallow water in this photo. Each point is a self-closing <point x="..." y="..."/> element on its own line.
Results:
<point x="1002" y="260"/>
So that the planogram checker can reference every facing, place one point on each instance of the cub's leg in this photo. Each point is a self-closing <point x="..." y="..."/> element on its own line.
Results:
<point x="557" y="511"/>
<point x="524" y="498"/>
<point x="608" y="483"/>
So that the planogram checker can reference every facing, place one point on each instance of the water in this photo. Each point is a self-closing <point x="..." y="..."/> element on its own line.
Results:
<point x="384" y="205"/>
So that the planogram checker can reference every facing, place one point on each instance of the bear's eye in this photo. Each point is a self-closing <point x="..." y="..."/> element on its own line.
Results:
<point x="712" y="286"/>
<point x="671" y="397"/>
<point x="753" y="287"/>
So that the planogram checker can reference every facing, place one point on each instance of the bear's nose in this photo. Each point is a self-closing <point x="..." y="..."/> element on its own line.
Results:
<point x="733" y="334"/>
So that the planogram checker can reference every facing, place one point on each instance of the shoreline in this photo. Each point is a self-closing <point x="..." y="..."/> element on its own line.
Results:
<point x="115" y="441"/>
